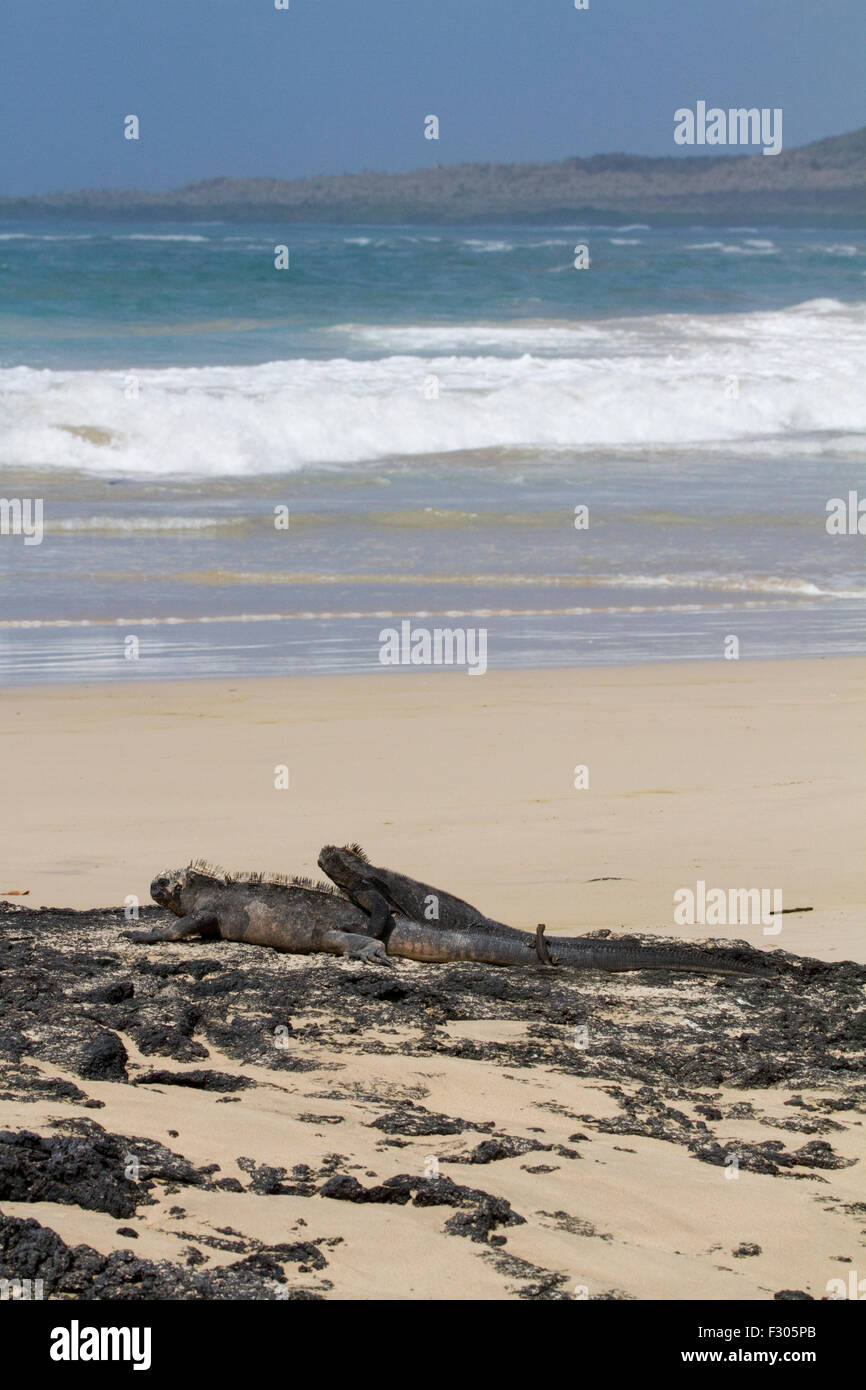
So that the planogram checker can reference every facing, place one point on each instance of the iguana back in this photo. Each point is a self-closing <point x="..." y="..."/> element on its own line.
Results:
<point x="350" y="869"/>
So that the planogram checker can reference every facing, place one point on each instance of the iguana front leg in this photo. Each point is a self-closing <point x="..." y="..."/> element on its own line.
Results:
<point x="175" y="931"/>
<point x="371" y="901"/>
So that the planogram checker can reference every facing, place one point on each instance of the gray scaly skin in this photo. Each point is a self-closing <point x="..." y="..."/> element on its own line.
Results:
<point x="459" y="931"/>
<point x="288" y="914"/>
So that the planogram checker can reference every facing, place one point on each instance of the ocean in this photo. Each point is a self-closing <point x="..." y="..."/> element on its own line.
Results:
<point x="255" y="471"/>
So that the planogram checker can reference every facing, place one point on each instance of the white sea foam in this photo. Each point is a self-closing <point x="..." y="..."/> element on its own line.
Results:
<point x="124" y="524"/>
<point x="728" y="583"/>
<point x="479" y="244"/>
<point x="660" y="382"/>
<point x="749" y="248"/>
<point x="318" y="615"/>
<point x="625" y="241"/>
<point x="838" y="248"/>
<point x="158" y="236"/>
<point x="45" y="236"/>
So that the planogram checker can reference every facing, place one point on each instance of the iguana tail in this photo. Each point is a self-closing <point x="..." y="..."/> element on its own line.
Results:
<point x="491" y="946"/>
<point x="583" y="953"/>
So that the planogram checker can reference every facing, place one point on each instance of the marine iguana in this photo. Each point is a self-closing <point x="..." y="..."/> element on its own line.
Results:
<point x="286" y="913"/>
<point x="390" y="898"/>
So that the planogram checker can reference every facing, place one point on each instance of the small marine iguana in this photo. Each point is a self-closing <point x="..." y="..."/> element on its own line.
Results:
<point x="390" y="898"/>
<point x="381" y="892"/>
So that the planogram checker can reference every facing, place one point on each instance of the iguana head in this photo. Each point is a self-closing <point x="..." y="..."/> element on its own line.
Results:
<point x="344" y="864"/>
<point x="167" y="887"/>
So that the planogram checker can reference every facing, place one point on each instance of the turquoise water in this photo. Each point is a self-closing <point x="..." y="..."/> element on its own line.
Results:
<point x="168" y="294"/>
<point x="430" y="405"/>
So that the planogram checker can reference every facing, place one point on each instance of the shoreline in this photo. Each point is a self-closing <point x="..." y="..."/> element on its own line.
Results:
<point x="313" y="645"/>
<point x="663" y="662"/>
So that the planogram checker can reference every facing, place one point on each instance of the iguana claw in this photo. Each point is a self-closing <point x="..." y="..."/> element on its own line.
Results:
<point x="371" y="953"/>
<point x="145" y="936"/>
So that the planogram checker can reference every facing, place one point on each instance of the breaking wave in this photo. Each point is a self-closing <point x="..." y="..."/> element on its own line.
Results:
<point x="665" y="381"/>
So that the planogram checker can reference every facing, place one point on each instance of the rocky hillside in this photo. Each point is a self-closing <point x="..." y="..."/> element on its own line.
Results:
<point x="824" y="182"/>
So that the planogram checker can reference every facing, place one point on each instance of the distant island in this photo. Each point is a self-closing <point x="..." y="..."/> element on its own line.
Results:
<point x="824" y="182"/>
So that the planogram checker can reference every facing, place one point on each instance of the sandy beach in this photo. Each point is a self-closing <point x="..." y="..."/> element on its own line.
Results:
<point x="738" y="774"/>
<point x="614" y="1157"/>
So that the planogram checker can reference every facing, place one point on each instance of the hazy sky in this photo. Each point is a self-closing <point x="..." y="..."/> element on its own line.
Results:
<point x="333" y="86"/>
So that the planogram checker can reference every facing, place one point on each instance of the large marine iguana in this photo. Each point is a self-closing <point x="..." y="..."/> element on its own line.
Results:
<point x="286" y="913"/>
<point x="389" y="898"/>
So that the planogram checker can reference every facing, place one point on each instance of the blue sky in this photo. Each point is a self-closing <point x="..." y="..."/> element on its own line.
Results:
<point x="334" y="86"/>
